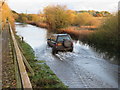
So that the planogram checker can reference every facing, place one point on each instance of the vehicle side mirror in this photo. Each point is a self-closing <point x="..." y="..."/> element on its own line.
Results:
<point x="48" y="39"/>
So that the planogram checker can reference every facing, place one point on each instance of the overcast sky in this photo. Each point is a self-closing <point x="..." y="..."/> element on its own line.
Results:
<point x="34" y="6"/>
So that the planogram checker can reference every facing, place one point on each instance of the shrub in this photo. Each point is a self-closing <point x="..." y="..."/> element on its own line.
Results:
<point x="107" y="36"/>
<point x="83" y="19"/>
<point x="56" y="17"/>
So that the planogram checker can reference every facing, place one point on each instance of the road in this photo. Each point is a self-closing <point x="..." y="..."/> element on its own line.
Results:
<point x="82" y="68"/>
<point x="7" y="63"/>
<point x="3" y="50"/>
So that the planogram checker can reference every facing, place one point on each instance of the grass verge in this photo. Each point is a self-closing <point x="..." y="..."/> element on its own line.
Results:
<point x="44" y="76"/>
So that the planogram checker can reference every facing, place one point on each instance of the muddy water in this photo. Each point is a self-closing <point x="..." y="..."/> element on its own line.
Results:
<point x="82" y="68"/>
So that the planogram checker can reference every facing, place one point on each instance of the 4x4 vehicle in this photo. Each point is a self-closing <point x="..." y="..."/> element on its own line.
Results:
<point x="60" y="42"/>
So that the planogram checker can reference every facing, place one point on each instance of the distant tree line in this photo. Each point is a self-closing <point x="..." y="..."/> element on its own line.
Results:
<point x="60" y="17"/>
<point x="96" y="13"/>
<point x="57" y="16"/>
<point x="24" y="18"/>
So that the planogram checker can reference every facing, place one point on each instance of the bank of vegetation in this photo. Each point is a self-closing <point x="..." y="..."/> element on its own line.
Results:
<point x="44" y="76"/>
<point x="107" y="37"/>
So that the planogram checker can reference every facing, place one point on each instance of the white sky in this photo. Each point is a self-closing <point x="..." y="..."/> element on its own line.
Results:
<point x="34" y="6"/>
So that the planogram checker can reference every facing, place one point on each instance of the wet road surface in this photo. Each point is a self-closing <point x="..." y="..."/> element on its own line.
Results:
<point x="82" y="68"/>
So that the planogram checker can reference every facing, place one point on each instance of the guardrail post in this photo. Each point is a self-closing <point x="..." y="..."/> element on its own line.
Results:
<point x="25" y="61"/>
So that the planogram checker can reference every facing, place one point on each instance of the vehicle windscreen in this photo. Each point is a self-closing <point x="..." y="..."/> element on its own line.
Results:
<point x="53" y="38"/>
<point x="62" y="38"/>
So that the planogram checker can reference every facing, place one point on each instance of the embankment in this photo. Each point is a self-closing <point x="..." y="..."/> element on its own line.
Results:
<point x="42" y="25"/>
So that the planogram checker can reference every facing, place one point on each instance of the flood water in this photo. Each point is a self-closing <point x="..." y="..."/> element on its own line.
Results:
<point x="82" y="68"/>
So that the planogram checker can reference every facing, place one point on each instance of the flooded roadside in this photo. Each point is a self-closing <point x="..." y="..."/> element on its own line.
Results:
<point x="83" y="68"/>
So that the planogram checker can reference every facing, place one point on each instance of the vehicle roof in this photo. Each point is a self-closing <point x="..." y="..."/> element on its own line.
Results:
<point x="59" y="34"/>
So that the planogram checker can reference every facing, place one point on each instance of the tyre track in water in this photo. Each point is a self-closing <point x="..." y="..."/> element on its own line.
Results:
<point x="88" y="79"/>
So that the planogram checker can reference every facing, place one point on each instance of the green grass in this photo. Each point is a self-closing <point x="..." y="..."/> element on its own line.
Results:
<point x="44" y="76"/>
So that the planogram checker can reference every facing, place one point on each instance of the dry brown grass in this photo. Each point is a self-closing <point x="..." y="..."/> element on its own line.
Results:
<point x="38" y="24"/>
<point x="87" y="27"/>
<point x="78" y="34"/>
<point x="99" y="21"/>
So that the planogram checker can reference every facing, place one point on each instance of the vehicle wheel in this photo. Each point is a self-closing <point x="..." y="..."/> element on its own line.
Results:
<point x="71" y="50"/>
<point x="48" y="44"/>
<point x="54" y="51"/>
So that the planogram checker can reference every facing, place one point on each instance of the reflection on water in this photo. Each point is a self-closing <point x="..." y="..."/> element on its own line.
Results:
<point x="36" y="37"/>
<point x="107" y="56"/>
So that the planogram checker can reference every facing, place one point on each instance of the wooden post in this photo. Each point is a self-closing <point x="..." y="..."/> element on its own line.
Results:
<point x="25" y="61"/>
